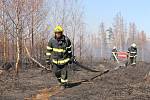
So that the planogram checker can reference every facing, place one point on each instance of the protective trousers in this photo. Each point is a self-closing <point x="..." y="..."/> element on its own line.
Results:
<point x="133" y="60"/>
<point x="61" y="73"/>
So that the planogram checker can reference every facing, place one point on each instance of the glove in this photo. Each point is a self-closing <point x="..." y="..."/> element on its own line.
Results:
<point x="70" y="61"/>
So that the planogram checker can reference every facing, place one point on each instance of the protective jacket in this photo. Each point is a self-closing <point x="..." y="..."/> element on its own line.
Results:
<point x="132" y="51"/>
<point x="59" y="50"/>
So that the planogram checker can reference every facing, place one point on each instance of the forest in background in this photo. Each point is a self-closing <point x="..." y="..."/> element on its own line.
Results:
<point x="31" y="23"/>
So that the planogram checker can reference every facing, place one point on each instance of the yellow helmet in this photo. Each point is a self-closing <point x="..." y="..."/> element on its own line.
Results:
<point x="58" y="29"/>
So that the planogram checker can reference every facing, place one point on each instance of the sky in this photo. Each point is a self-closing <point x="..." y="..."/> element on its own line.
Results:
<point x="137" y="11"/>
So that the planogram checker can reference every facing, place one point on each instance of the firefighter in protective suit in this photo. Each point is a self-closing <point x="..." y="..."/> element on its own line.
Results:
<point x="132" y="54"/>
<point x="114" y="53"/>
<point x="59" y="55"/>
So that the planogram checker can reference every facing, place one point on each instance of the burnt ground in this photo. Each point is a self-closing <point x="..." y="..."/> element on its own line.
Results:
<point x="125" y="83"/>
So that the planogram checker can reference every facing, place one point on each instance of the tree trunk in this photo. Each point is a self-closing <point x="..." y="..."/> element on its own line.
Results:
<point x="18" y="57"/>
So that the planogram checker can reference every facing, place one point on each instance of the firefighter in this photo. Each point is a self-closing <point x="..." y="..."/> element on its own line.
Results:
<point x="132" y="54"/>
<point x="114" y="53"/>
<point x="59" y="55"/>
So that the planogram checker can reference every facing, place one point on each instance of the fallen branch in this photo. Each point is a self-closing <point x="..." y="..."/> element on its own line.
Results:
<point x="106" y="71"/>
<point x="34" y="59"/>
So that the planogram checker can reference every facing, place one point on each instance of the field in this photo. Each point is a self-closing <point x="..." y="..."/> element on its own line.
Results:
<point x="125" y="83"/>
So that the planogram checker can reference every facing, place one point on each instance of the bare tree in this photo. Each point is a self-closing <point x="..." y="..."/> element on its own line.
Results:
<point x="119" y="31"/>
<point x="141" y="40"/>
<point x="132" y="33"/>
<point x="19" y="20"/>
<point x="102" y="39"/>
